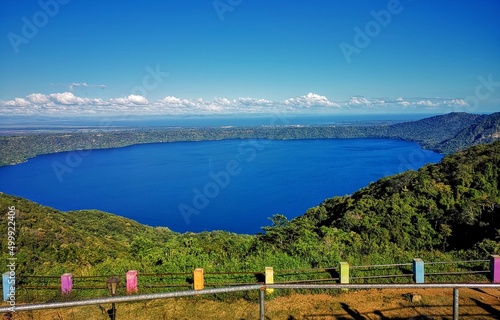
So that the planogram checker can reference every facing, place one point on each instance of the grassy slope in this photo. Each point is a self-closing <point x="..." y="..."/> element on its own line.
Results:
<point x="49" y="238"/>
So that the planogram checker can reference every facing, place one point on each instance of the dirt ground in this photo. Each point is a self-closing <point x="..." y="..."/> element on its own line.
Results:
<point x="364" y="304"/>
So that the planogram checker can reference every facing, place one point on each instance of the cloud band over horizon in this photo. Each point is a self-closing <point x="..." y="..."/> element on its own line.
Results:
<point x="68" y="104"/>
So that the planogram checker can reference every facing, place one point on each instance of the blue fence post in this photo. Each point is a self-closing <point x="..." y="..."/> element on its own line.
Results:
<point x="418" y="270"/>
<point x="7" y="285"/>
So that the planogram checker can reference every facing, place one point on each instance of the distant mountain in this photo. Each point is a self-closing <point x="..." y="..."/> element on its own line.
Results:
<point x="485" y="130"/>
<point x="432" y="131"/>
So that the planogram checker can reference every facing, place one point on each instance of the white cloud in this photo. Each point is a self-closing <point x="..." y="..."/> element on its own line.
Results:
<point x="427" y="103"/>
<point x="73" y="85"/>
<point x="136" y="99"/>
<point x="254" y="102"/>
<point x="402" y="102"/>
<point x="17" y="102"/>
<point x="359" y="101"/>
<point x="38" y="98"/>
<point x="171" y="100"/>
<point x="66" y="98"/>
<point x="130" y="100"/>
<point x="67" y="103"/>
<point x="457" y="103"/>
<point x="222" y="101"/>
<point x="310" y="100"/>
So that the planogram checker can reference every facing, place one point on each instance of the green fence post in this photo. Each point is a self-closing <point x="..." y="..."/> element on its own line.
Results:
<point x="344" y="272"/>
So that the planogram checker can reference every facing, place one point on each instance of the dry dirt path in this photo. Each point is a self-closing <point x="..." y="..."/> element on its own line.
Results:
<point x="365" y="304"/>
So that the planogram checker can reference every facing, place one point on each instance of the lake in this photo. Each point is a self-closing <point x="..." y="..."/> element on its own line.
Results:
<point x="232" y="185"/>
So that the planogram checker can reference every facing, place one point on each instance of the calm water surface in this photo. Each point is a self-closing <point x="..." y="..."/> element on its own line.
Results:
<point x="230" y="185"/>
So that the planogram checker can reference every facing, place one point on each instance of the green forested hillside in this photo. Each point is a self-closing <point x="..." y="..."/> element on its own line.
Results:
<point x="442" y="210"/>
<point x="430" y="132"/>
<point x="486" y="130"/>
<point x="49" y="239"/>
<point x="453" y="205"/>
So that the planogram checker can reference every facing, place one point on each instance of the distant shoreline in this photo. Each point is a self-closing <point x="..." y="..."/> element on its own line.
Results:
<point x="30" y="144"/>
<point x="443" y="134"/>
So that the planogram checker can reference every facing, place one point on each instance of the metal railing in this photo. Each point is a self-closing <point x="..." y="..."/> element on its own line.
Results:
<point x="261" y="288"/>
<point x="47" y="288"/>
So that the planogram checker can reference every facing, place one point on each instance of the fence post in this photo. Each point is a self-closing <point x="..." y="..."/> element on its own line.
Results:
<point x="198" y="279"/>
<point x="418" y="270"/>
<point x="7" y="293"/>
<point x="495" y="268"/>
<point x="66" y="283"/>
<point x="262" y="299"/>
<point x="132" y="282"/>
<point x="455" y="303"/>
<point x="344" y="272"/>
<point x="269" y="278"/>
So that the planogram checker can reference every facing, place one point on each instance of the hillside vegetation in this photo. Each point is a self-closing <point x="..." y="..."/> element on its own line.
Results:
<point x="441" y="211"/>
<point x="450" y="206"/>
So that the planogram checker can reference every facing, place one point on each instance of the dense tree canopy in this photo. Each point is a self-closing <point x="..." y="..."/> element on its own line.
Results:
<point x="453" y="205"/>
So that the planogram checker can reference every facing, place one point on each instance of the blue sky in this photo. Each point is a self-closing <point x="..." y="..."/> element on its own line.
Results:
<point x="71" y="57"/>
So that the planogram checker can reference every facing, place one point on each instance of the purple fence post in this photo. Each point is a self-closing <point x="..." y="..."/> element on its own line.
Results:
<point x="66" y="283"/>
<point x="495" y="268"/>
<point x="132" y="282"/>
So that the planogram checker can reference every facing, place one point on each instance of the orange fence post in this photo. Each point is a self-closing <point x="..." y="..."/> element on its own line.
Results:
<point x="198" y="279"/>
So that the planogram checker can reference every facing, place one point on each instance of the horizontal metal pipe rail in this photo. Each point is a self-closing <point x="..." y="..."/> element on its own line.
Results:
<point x="130" y="298"/>
<point x="375" y="266"/>
<point x="383" y="286"/>
<point x="457" y="262"/>
<point x="454" y="286"/>
<point x="186" y="293"/>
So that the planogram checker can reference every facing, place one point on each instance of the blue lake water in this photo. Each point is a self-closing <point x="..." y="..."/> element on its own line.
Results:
<point x="232" y="185"/>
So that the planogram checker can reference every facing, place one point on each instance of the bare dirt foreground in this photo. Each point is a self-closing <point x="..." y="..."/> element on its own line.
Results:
<point x="366" y="304"/>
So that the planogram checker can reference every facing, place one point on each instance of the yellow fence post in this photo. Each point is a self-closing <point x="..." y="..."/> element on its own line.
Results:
<point x="344" y="272"/>
<point x="198" y="279"/>
<point x="269" y="278"/>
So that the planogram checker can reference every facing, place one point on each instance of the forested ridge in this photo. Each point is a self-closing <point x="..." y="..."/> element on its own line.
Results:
<point x="444" y="133"/>
<point x="450" y="206"/>
<point x="442" y="211"/>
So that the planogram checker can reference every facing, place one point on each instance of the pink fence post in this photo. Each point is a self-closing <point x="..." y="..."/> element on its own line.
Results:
<point x="66" y="283"/>
<point x="132" y="282"/>
<point x="495" y="268"/>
